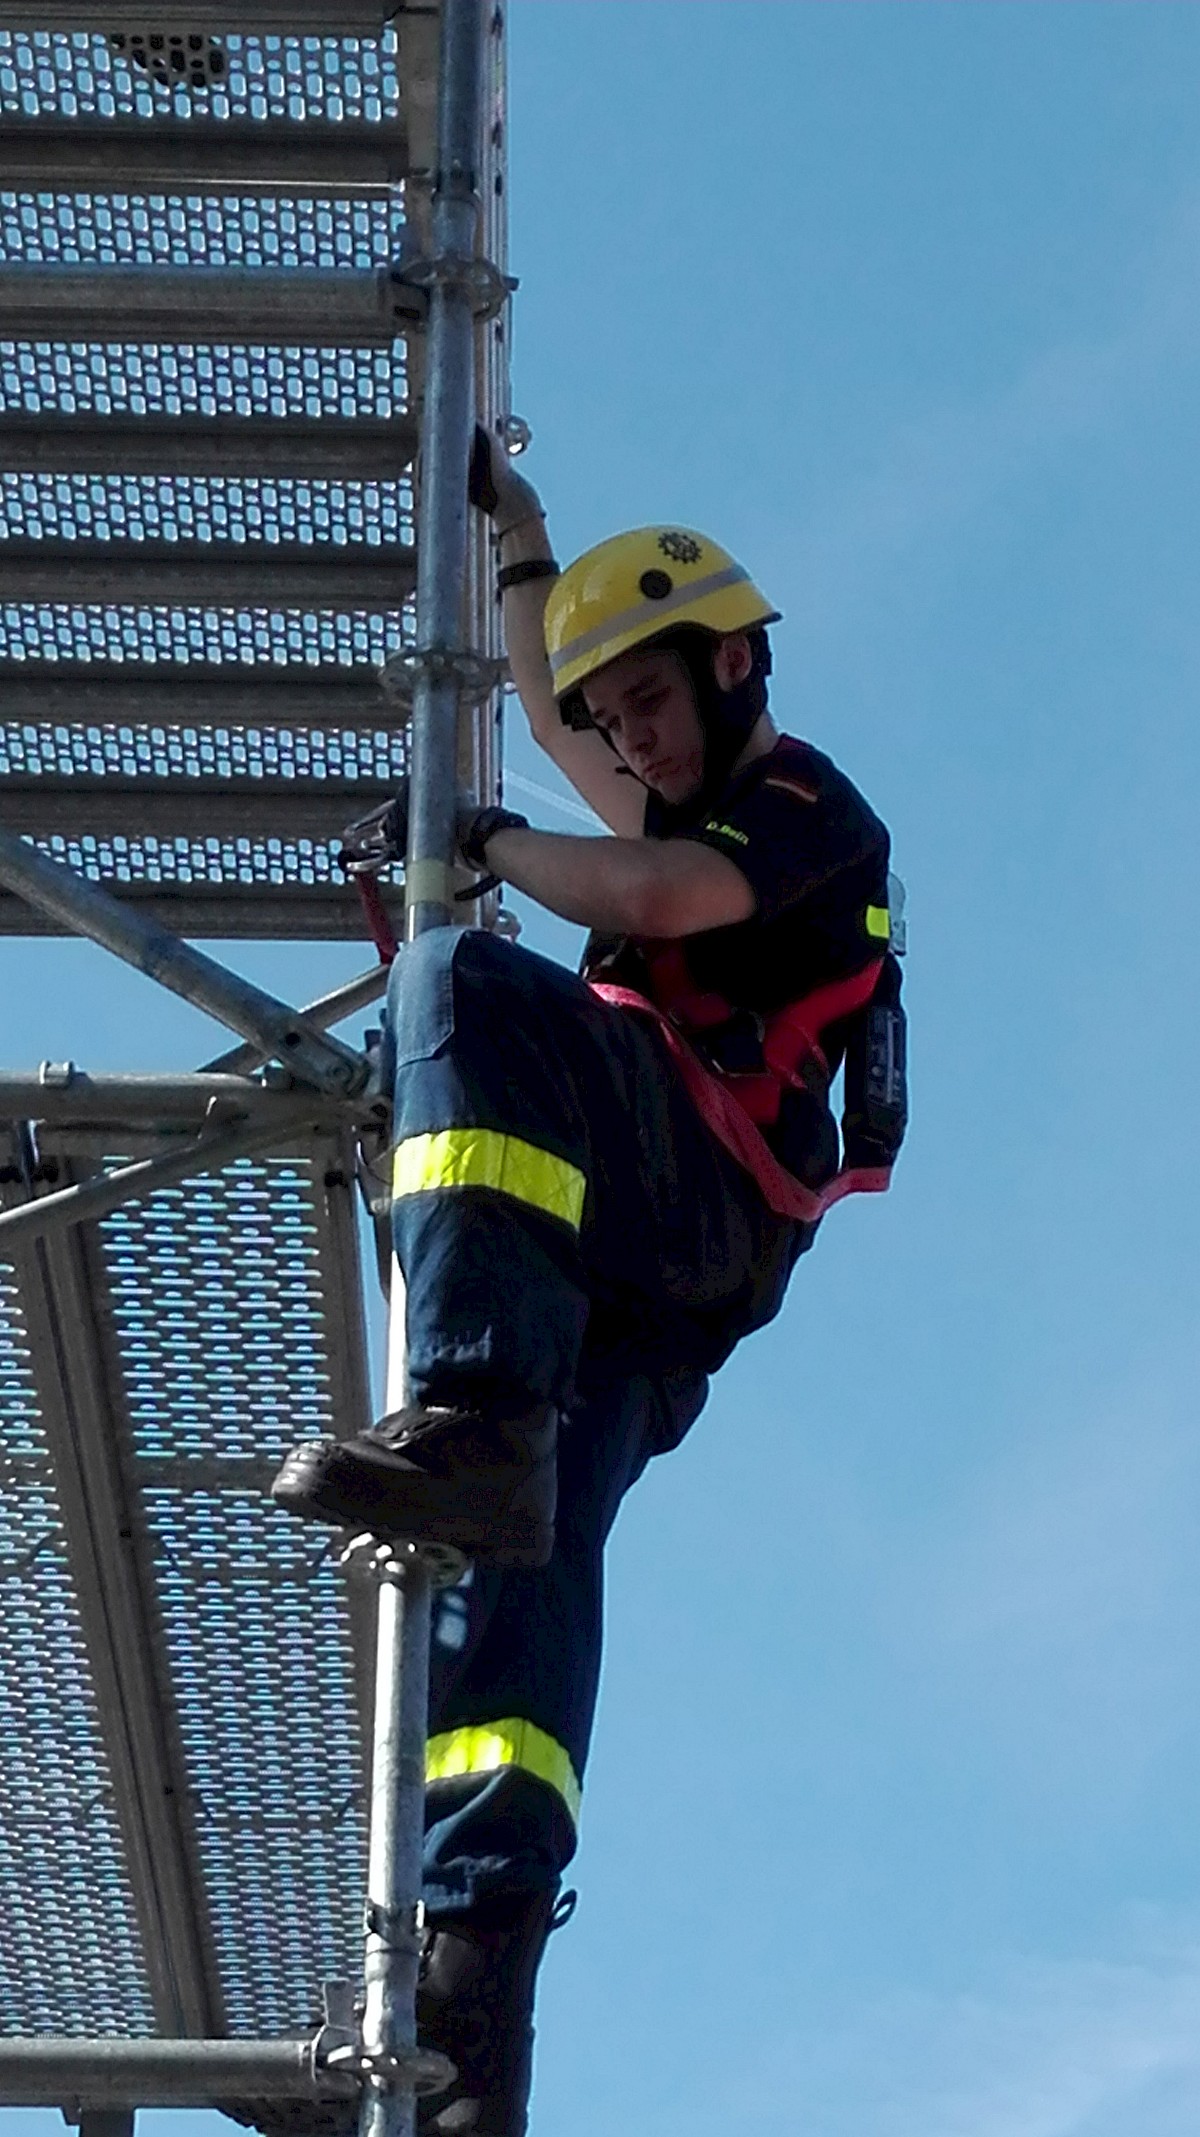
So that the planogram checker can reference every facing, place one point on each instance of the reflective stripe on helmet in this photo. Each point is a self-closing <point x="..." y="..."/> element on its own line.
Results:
<point x="646" y="612"/>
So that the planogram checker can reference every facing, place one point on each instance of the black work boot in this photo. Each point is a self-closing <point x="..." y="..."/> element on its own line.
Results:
<point x="487" y="1485"/>
<point x="475" y="2003"/>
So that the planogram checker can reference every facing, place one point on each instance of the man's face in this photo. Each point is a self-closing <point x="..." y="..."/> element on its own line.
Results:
<point x="645" y="704"/>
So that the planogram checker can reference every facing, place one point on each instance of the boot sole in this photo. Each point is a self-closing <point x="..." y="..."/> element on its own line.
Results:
<point x="312" y="1490"/>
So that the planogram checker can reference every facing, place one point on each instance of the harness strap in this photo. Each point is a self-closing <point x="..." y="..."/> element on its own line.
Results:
<point x="796" y="1030"/>
<point x="674" y="987"/>
<point x="791" y="1037"/>
<point x="375" y="913"/>
<point x="728" y="1120"/>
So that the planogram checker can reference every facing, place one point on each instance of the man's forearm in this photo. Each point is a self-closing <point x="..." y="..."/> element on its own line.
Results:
<point x="623" y="886"/>
<point x="604" y="883"/>
<point x="524" y="610"/>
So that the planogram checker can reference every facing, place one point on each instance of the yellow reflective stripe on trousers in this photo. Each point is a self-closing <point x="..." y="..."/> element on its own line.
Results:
<point x="483" y="1157"/>
<point x="491" y="1745"/>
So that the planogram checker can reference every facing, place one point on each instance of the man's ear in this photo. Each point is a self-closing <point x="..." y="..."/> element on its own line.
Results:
<point x="732" y="660"/>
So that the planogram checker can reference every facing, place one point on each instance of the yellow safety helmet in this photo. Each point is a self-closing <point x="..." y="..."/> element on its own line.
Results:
<point x="636" y="586"/>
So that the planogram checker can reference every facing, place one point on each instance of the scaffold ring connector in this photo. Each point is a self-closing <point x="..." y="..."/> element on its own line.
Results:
<point x="424" y="2068"/>
<point x="476" y="674"/>
<point x="396" y="1928"/>
<point x="380" y="1559"/>
<point x="485" y="284"/>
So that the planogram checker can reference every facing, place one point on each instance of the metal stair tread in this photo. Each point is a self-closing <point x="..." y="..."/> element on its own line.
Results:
<point x="348" y="449"/>
<point x="106" y="155"/>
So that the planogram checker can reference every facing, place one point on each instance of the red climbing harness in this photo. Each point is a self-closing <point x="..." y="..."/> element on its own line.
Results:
<point x="735" y="1106"/>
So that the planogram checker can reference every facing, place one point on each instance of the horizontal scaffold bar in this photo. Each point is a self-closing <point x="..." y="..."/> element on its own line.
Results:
<point x="320" y="448"/>
<point x="251" y="575"/>
<point x="176" y="696"/>
<point x="250" y="18"/>
<point x="226" y="912"/>
<point x="326" y="307"/>
<point x="136" y="809"/>
<point x="162" y="2073"/>
<point x="120" y="155"/>
<point x="66" y="1095"/>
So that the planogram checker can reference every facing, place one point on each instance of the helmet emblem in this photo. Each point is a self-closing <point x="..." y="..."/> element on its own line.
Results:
<point x="683" y="548"/>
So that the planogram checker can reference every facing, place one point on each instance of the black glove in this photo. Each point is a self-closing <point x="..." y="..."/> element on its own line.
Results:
<point x="377" y="840"/>
<point x="473" y="834"/>
<point x="481" y="485"/>
<point x="494" y="486"/>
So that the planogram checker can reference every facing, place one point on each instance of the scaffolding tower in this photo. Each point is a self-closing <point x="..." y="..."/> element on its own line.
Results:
<point x="252" y="299"/>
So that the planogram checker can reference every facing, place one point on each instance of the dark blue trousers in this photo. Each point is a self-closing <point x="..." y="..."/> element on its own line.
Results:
<point x="570" y="1233"/>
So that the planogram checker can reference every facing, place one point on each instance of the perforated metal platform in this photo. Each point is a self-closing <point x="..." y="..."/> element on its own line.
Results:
<point x="190" y="524"/>
<point x="181" y="1769"/>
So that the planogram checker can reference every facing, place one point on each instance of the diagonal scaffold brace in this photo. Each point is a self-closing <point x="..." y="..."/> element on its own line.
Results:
<point x="277" y="1032"/>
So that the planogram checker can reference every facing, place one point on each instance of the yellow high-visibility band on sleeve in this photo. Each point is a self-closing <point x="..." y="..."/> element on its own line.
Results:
<point x="879" y="923"/>
<point x="489" y="1746"/>
<point x="483" y="1157"/>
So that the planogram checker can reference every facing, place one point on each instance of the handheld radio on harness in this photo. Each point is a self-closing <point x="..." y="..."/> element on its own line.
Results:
<point x="875" y="1070"/>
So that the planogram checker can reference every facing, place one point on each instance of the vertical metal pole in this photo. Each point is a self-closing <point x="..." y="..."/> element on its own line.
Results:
<point x="397" y="1830"/>
<point x="402" y="1673"/>
<point x="446" y="427"/>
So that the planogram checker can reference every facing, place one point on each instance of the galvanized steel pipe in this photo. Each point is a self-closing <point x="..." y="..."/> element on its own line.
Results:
<point x="442" y="509"/>
<point x="401" y="1711"/>
<point x="393" y="1946"/>
<point x="108" y="2072"/>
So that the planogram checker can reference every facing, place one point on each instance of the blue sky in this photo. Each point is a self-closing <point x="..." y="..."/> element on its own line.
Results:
<point x="891" y="1825"/>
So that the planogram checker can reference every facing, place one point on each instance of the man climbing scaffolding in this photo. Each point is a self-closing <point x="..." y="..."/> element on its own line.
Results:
<point x="602" y="1183"/>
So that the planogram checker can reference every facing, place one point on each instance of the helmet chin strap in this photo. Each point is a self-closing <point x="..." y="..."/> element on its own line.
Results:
<point x="728" y="718"/>
<point x="621" y="770"/>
